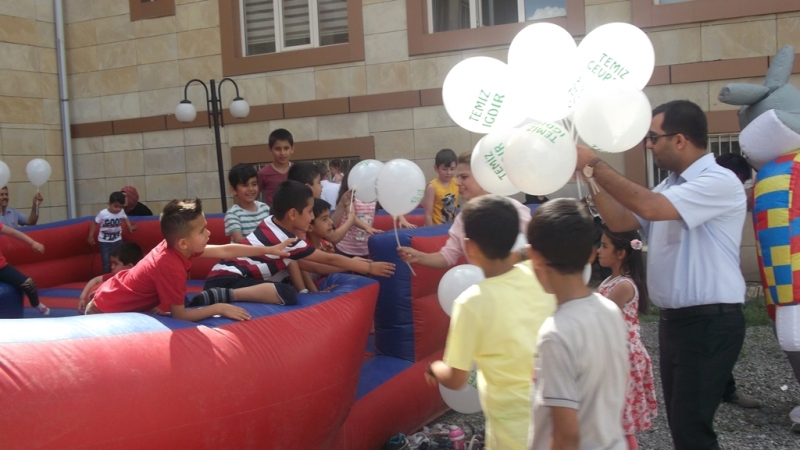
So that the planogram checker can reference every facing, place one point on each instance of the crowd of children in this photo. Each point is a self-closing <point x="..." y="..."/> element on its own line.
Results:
<point x="558" y="366"/>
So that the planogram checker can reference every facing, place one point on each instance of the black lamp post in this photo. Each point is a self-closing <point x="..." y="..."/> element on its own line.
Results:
<point x="185" y="112"/>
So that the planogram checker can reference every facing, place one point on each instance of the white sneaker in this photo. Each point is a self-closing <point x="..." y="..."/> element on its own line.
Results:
<point x="44" y="310"/>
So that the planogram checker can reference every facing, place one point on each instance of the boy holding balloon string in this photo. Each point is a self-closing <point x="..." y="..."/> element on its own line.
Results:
<point x="494" y="324"/>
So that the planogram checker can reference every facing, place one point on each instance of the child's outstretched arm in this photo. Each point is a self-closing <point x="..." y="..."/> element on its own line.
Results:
<point x="449" y="377"/>
<point x="338" y="234"/>
<point x="342" y="207"/>
<point x="368" y="228"/>
<point x="96" y="281"/>
<point x="412" y="256"/>
<point x="382" y="269"/>
<point x="228" y="251"/>
<point x="405" y="223"/>
<point x="92" y="231"/>
<point x="427" y="204"/>
<point x="131" y="227"/>
<point x="217" y="309"/>
<point x="23" y="237"/>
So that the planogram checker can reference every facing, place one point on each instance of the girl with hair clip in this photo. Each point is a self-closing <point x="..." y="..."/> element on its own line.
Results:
<point x="622" y="253"/>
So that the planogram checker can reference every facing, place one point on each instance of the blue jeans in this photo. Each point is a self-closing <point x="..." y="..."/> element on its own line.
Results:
<point x="105" y="253"/>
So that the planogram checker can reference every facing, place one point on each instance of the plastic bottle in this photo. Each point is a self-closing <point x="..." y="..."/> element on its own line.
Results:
<point x="457" y="438"/>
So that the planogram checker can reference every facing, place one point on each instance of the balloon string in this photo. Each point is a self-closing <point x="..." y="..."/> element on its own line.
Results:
<point x="352" y="197"/>
<point x="579" y="183"/>
<point x="37" y="203"/>
<point x="397" y="238"/>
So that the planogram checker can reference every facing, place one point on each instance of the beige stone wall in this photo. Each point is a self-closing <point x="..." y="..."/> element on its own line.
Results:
<point x="30" y="123"/>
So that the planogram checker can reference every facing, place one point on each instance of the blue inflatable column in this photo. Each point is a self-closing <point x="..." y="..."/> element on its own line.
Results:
<point x="10" y="302"/>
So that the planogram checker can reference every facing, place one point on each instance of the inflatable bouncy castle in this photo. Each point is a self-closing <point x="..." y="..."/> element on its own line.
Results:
<point x="308" y="376"/>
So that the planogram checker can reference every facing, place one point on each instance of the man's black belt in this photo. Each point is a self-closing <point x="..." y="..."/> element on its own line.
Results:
<point x="700" y="310"/>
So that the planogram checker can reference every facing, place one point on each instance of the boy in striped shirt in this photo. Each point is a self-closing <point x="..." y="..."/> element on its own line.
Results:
<point x="257" y="279"/>
<point x="243" y="217"/>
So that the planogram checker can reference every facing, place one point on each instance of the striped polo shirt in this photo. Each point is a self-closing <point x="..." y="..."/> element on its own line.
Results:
<point x="238" y="218"/>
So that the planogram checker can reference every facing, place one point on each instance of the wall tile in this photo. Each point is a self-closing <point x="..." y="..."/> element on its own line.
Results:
<point x="47" y="60"/>
<point x="19" y="57"/>
<point x="89" y="166"/>
<point x="162" y="139"/>
<point x="166" y="187"/>
<point x="204" y="68"/>
<point x="122" y="106"/>
<point x="51" y="112"/>
<point x="159" y="75"/>
<point x="17" y="141"/>
<point x="82" y="146"/>
<point x="203" y="158"/>
<point x="19" y="8"/>
<point x="204" y="42"/>
<point x="430" y="72"/>
<point x="89" y="192"/>
<point x="385" y="17"/>
<point x="53" y="142"/>
<point x="202" y="185"/>
<point x="197" y="15"/>
<point x="602" y="14"/>
<point x="337" y="83"/>
<point x="291" y="88"/>
<point x="695" y="92"/>
<point x="788" y="30"/>
<point x="391" y="77"/>
<point x="78" y="10"/>
<point x="21" y="110"/>
<point x="432" y="117"/>
<point x="114" y="29"/>
<point x="122" y="142"/>
<point x="429" y="141"/>
<point x="386" y="47"/>
<point x="342" y="126"/>
<point x="253" y="90"/>
<point x="395" y="119"/>
<point x="18" y="30"/>
<point x="83" y="85"/>
<point x="105" y="8"/>
<point x="81" y="60"/>
<point x="164" y="160"/>
<point x="85" y="110"/>
<point x="205" y="135"/>
<point x="155" y="27"/>
<point x="121" y="164"/>
<point x="46" y="35"/>
<point x="44" y="9"/>
<point x="157" y="49"/>
<point x="304" y="129"/>
<point x="162" y="101"/>
<point x="118" y="54"/>
<point x="739" y="40"/>
<point x="394" y="144"/>
<point x="248" y="133"/>
<point x="49" y="85"/>
<point x="20" y="84"/>
<point x="676" y="46"/>
<point x="119" y="81"/>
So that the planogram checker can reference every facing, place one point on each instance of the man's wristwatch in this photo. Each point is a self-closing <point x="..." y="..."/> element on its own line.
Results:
<point x="588" y="169"/>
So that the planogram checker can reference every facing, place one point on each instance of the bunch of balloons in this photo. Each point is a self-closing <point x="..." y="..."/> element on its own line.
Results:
<point x="533" y="109"/>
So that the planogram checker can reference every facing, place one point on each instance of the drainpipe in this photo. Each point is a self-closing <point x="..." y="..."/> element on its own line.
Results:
<point x="66" y="135"/>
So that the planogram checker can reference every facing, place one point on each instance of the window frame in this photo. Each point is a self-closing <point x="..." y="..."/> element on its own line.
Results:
<point x="151" y="9"/>
<point x="421" y="42"/>
<point x="475" y="15"/>
<point x="645" y="14"/>
<point x="234" y="61"/>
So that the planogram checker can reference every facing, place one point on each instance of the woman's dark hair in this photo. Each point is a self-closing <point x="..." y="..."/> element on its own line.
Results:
<point x="343" y="186"/>
<point x="633" y="264"/>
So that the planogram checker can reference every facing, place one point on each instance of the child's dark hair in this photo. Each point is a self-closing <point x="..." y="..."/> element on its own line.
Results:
<point x="303" y="172"/>
<point x="343" y="187"/>
<point x="280" y="134"/>
<point x="128" y="253"/>
<point x="117" y="197"/>
<point x="633" y="264"/>
<point x="335" y="164"/>
<point x="290" y="195"/>
<point x="241" y="174"/>
<point x="737" y="164"/>
<point x="562" y="231"/>
<point x="445" y="157"/>
<point x="176" y="218"/>
<point x="492" y="222"/>
<point x="320" y="206"/>
<point x="322" y="168"/>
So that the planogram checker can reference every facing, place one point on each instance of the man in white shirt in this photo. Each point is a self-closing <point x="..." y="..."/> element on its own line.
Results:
<point x="330" y="190"/>
<point x="693" y="221"/>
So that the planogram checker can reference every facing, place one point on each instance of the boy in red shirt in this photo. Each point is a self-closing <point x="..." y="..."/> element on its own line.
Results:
<point x="123" y="256"/>
<point x="281" y="145"/>
<point x="159" y="277"/>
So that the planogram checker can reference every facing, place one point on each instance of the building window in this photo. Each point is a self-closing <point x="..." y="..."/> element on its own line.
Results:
<point x="299" y="24"/>
<point x="718" y="144"/>
<point x="448" y="15"/>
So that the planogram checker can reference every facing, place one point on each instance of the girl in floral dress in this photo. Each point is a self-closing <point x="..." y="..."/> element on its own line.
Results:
<point x="622" y="253"/>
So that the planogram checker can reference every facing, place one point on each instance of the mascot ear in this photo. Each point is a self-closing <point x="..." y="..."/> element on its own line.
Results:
<point x="780" y="69"/>
<point x="743" y="94"/>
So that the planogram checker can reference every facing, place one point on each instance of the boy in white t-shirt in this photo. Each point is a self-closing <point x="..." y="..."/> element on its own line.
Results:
<point x="110" y="220"/>
<point x="581" y="363"/>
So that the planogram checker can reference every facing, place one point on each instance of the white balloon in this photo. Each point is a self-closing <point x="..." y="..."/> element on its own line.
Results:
<point x="482" y="95"/>
<point x="587" y="273"/>
<point x="464" y="400"/>
<point x="520" y="243"/>
<point x="614" y="54"/>
<point x="400" y="186"/>
<point x="541" y="158"/>
<point x="455" y="282"/>
<point x="546" y="81"/>
<point x="487" y="163"/>
<point x="38" y="171"/>
<point x="362" y="178"/>
<point x="5" y="174"/>
<point x="613" y="120"/>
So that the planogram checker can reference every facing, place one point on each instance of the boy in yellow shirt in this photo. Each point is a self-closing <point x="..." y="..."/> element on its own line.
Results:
<point x="441" y="194"/>
<point x="494" y="324"/>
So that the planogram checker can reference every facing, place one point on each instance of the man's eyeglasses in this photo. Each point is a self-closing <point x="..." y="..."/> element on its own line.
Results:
<point x="655" y="137"/>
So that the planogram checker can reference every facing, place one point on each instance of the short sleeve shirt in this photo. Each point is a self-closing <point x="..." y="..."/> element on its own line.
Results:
<point x="160" y="277"/>
<point x="268" y="181"/>
<point x="494" y="324"/>
<point x="455" y="247"/>
<point x="3" y="261"/>
<point x="695" y="260"/>
<point x="582" y="363"/>
<point x="244" y="221"/>
<point x="13" y="218"/>
<point x="330" y="192"/>
<point x="266" y="267"/>
<point x="110" y="225"/>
